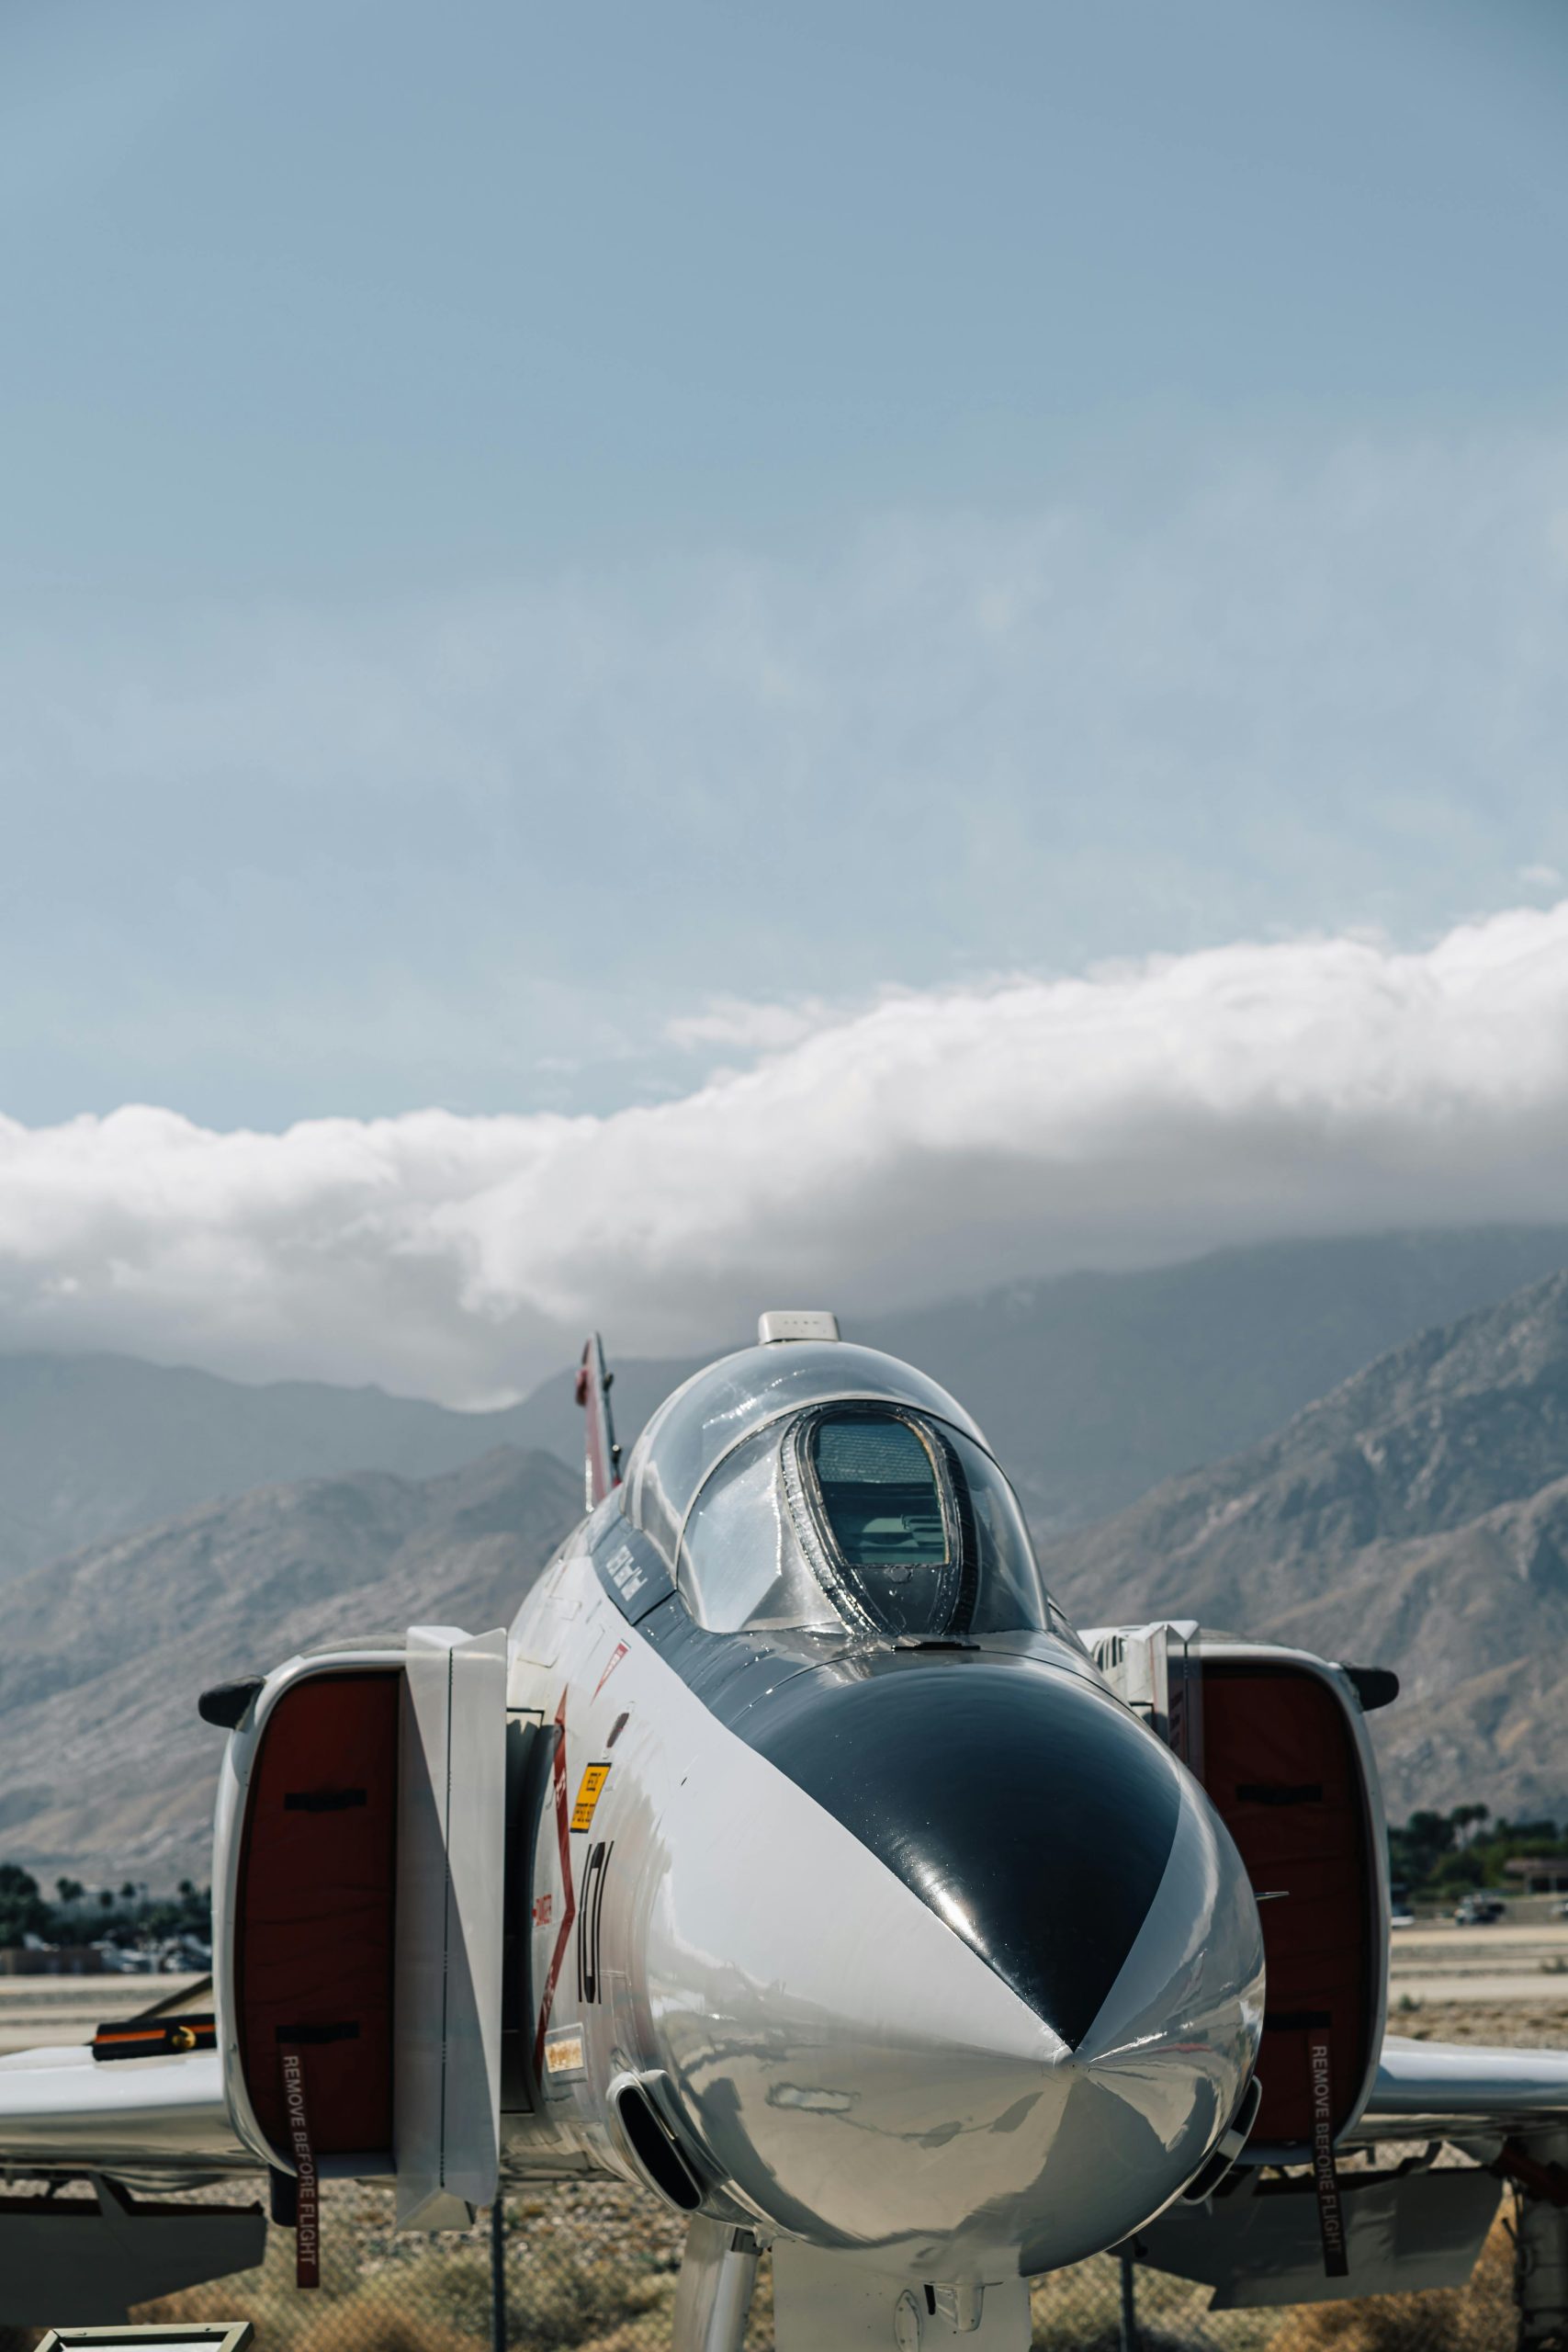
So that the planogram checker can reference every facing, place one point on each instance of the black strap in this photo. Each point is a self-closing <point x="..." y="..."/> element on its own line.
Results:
<point x="154" y="2037"/>
<point x="1279" y="1792"/>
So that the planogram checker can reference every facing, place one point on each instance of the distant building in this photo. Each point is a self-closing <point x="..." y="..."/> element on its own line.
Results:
<point x="50" y="1960"/>
<point x="1539" y="1877"/>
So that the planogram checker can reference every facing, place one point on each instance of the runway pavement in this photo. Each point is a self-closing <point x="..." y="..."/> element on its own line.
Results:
<point x="35" y="2011"/>
<point x="1438" y="1962"/>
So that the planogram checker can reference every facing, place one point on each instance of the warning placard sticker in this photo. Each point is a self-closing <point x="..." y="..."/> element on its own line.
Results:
<point x="593" y="1781"/>
<point x="563" y="2052"/>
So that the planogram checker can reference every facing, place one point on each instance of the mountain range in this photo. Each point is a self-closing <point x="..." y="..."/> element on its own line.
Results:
<point x="1415" y="1517"/>
<point x="105" y="1769"/>
<point x="1091" y="1387"/>
<point x="1414" y="1514"/>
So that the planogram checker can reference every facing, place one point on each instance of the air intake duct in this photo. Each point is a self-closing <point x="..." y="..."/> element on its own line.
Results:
<point x="651" y="2144"/>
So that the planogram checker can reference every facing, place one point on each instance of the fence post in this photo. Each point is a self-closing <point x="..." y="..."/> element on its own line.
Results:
<point x="498" y="2272"/>
<point x="1129" y="2327"/>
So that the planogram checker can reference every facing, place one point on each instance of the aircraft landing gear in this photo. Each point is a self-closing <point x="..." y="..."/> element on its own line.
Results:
<point x="832" y="2303"/>
<point x="1538" y="2166"/>
<point x="712" y="2295"/>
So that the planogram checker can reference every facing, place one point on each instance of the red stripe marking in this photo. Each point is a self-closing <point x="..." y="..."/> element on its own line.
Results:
<point x="617" y="1655"/>
<point x="563" y="1835"/>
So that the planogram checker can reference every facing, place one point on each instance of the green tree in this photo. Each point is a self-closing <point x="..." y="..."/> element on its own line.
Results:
<point x="23" y="1911"/>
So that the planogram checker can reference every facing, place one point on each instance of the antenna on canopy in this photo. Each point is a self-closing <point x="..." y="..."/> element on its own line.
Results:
<point x="601" y="1455"/>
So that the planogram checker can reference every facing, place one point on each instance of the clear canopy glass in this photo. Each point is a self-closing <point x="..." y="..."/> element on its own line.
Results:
<point x="832" y="1488"/>
<point x="727" y="1401"/>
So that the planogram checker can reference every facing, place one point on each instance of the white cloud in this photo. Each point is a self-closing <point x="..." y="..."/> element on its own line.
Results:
<point x="937" y="1142"/>
<point x="731" y="1022"/>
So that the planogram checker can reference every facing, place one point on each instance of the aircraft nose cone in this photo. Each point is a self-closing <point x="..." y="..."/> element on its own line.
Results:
<point x="1032" y="1814"/>
<point x="954" y="1964"/>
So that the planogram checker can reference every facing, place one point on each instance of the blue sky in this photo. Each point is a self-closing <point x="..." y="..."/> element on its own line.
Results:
<point x="551" y="553"/>
<point x="355" y="298"/>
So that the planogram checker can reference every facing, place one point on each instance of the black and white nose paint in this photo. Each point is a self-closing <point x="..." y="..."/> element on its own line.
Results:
<point x="1025" y="1806"/>
<point x="953" y="1962"/>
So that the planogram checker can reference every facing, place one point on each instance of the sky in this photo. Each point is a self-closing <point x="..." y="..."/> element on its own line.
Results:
<point x="582" y="588"/>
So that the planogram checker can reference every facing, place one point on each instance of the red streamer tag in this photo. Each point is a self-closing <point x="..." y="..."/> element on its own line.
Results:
<point x="1330" y="2212"/>
<point x="308" y="2224"/>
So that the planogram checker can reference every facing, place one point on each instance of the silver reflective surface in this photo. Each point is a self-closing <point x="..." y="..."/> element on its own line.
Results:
<point x="727" y="1400"/>
<point x="756" y="1550"/>
<point x="61" y="2107"/>
<point x="865" y="2081"/>
<point x="742" y="1560"/>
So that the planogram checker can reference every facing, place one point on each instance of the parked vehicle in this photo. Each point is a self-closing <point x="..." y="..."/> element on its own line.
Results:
<point x="1480" y="1911"/>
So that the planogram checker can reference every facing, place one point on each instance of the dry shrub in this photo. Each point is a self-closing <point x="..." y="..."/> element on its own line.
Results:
<point x="1476" y="2318"/>
<point x="382" y="2293"/>
<point x="637" y="2336"/>
<point x="760" y="2326"/>
<point x="268" y="2297"/>
<point x="371" y="2321"/>
<point x="1078" y="2310"/>
<point x="379" y="2314"/>
<point x="577" y="2299"/>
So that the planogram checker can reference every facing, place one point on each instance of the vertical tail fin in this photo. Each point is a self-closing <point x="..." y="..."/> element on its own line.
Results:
<point x="602" y="1458"/>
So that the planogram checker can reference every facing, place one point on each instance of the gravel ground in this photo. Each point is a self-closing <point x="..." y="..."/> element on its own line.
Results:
<point x="1537" y="2022"/>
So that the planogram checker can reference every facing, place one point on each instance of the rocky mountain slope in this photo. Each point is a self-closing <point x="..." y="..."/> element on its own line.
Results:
<point x="105" y="1769"/>
<point x="94" y="1446"/>
<point x="1415" y="1517"/>
<point x="1091" y="1387"/>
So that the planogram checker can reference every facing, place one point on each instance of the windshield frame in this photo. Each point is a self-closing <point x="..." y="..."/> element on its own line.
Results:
<point x="846" y="1612"/>
<point x="845" y="1580"/>
<point x="689" y="1435"/>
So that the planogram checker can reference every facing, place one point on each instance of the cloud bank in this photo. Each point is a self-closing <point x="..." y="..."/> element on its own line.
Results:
<point x="937" y="1142"/>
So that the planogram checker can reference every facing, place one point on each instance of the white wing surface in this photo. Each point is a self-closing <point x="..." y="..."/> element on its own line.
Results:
<point x="163" y="2117"/>
<point x="1438" y="2089"/>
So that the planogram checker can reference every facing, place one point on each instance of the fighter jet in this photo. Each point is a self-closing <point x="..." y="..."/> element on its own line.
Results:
<point x="792" y="1856"/>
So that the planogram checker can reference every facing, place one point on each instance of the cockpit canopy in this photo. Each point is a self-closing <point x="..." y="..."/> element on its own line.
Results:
<point x="826" y="1486"/>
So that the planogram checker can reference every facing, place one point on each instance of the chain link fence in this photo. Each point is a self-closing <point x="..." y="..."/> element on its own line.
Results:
<point x="591" y="2267"/>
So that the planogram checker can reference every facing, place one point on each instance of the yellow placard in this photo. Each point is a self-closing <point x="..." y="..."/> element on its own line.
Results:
<point x="593" y="1780"/>
<point x="563" y="2052"/>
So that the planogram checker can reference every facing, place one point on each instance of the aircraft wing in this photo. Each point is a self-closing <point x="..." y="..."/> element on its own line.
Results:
<point x="1461" y="2090"/>
<point x="163" y="2117"/>
<point x="143" y="2098"/>
<point x="1262" y="2240"/>
<point x="154" y="2123"/>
